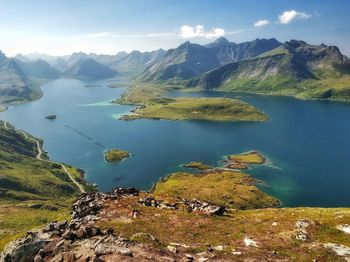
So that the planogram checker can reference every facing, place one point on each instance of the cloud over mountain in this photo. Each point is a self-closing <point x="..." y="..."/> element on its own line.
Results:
<point x="288" y="16"/>
<point x="187" y="31"/>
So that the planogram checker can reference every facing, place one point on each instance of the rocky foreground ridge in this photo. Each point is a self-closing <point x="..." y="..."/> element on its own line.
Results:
<point x="130" y="225"/>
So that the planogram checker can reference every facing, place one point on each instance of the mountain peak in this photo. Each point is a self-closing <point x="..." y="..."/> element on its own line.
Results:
<point x="221" y="40"/>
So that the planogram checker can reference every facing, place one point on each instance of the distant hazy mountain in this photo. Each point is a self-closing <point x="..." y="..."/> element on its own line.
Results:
<point x="39" y="69"/>
<point x="14" y="84"/>
<point x="90" y="69"/>
<point x="293" y="68"/>
<point x="190" y="60"/>
<point x="32" y="57"/>
<point x="136" y="61"/>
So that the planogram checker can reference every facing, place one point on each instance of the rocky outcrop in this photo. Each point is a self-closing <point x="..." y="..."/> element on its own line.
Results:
<point x="89" y="204"/>
<point x="194" y="205"/>
<point x="82" y="240"/>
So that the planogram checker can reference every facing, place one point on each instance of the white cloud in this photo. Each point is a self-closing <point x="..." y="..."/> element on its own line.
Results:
<point x="261" y="23"/>
<point x="288" y="16"/>
<point x="199" y="31"/>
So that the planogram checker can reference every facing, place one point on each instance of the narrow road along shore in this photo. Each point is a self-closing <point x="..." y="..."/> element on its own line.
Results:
<point x="39" y="157"/>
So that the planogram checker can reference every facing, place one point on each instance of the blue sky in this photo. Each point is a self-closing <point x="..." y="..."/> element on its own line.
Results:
<point x="60" y="27"/>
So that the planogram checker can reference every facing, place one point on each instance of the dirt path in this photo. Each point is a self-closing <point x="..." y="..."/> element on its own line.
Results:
<point x="39" y="157"/>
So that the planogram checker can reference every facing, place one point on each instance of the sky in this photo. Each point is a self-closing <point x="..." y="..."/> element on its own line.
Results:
<point x="61" y="27"/>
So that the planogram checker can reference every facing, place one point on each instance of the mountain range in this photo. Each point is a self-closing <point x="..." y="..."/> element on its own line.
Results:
<point x="260" y="66"/>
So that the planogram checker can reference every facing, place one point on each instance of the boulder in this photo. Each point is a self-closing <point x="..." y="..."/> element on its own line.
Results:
<point x="24" y="249"/>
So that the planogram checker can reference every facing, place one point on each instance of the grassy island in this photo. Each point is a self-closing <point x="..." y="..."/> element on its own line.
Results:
<point x="197" y="165"/>
<point x="191" y="108"/>
<point x="222" y="187"/>
<point x="152" y="104"/>
<point x="241" y="161"/>
<point x="116" y="155"/>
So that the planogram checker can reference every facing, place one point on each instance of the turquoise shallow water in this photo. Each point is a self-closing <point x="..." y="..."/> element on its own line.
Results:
<point x="307" y="142"/>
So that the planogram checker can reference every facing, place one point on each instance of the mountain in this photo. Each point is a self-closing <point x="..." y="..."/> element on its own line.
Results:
<point x="90" y="69"/>
<point x="294" y="68"/>
<point x="14" y="83"/>
<point x="39" y="69"/>
<point x="228" y="52"/>
<point x="190" y="60"/>
<point x="136" y="61"/>
<point x="186" y="61"/>
<point x="32" y="57"/>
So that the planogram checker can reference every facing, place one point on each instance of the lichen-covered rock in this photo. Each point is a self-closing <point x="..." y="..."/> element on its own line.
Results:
<point x="24" y="249"/>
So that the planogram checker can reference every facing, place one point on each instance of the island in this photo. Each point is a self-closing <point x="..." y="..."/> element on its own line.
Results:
<point x="116" y="155"/>
<point x="229" y="188"/>
<point x="242" y="161"/>
<point x="51" y="117"/>
<point x="197" y="165"/>
<point x="195" y="108"/>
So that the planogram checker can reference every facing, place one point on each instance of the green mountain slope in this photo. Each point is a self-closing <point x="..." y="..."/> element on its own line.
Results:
<point x="32" y="191"/>
<point x="295" y="68"/>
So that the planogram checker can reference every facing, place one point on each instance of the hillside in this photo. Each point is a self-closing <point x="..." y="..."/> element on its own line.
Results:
<point x="90" y="69"/>
<point x="294" y="68"/>
<point x="130" y="225"/>
<point x="15" y="86"/>
<point x="32" y="191"/>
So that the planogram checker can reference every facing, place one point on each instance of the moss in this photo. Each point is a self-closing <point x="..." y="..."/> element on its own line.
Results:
<point x="116" y="155"/>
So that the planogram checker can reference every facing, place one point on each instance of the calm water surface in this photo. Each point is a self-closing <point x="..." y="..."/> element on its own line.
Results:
<point x="307" y="143"/>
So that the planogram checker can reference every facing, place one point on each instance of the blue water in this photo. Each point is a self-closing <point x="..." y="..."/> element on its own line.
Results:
<point x="307" y="143"/>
